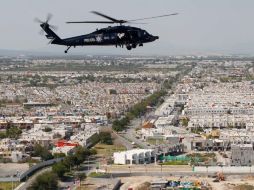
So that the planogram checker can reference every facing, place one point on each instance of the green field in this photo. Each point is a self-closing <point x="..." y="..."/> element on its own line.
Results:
<point x="156" y="141"/>
<point x="94" y="174"/>
<point x="8" y="185"/>
<point x="108" y="150"/>
<point x="175" y="162"/>
<point x="203" y="157"/>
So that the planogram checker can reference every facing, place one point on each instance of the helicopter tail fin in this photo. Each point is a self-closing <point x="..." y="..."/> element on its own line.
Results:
<point x="50" y="34"/>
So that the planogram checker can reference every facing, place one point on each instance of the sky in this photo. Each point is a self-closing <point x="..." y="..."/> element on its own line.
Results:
<point x="202" y="26"/>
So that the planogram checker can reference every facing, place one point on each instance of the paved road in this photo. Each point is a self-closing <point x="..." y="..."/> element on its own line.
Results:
<point x="123" y="141"/>
<point x="150" y="169"/>
<point x="31" y="179"/>
<point x="147" y="168"/>
<point x="131" y="134"/>
<point x="128" y="137"/>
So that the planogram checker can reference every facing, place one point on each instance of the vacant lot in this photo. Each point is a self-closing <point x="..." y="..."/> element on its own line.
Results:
<point x="12" y="168"/>
<point x="104" y="150"/>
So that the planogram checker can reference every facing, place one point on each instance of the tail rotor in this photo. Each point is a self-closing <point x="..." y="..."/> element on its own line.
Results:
<point x="45" y="24"/>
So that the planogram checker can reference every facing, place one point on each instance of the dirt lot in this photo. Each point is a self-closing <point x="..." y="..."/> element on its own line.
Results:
<point x="233" y="181"/>
<point x="230" y="183"/>
<point x="12" y="168"/>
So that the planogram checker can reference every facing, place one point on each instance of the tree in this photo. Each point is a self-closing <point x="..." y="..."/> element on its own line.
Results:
<point x="60" y="169"/>
<point x="80" y="154"/>
<point x="45" y="181"/>
<point x="47" y="129"/>
<point x="105" y="138"/>
<point x="2" y="135"/>
<point x="112" y="91"/>
<point x="70" y="161"/>
<point x="119" y="125"/>
<point x="42" y="152"/>
<point x="81" y="176"/>
<point x="59" y="155"/>
<point x="13" y="132"/>
<point x="185" y="122"/>
<point x="93" y="151"/>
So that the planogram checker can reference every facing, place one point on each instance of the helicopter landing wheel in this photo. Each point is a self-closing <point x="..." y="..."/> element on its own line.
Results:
<point x="66" y="51"/>
<point x="134" y="45"/>
<point x="128" y="47"/>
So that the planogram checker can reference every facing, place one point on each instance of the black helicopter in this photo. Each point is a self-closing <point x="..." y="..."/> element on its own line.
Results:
<point x="120" y="35"/>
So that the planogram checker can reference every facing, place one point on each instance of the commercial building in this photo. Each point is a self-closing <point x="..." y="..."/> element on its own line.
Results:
<point x="134" y="156"/>
<point x="242" y="155"/>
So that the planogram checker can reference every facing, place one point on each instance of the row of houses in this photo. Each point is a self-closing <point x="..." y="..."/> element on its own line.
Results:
<point x="221" y="121"/>
<point x="26" y="122"/>
<point x="47" y="136"/>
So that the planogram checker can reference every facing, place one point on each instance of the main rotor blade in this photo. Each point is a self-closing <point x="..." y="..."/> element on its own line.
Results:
<point x="95" y="22"/>
<point x="136" y="22"/>
<point x="153" y="17"/>
<point x="105" y="16"/>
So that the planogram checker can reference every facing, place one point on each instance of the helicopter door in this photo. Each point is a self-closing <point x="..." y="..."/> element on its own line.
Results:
<point x="134" y="35"/>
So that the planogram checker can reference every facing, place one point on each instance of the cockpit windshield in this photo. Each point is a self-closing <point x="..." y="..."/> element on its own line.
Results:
<point x="145" y="33"/>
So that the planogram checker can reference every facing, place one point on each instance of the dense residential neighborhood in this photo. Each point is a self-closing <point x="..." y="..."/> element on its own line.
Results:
<point x="144" y="114"/>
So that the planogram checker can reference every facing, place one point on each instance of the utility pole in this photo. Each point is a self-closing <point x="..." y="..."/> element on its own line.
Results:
<point x="88" y="164"/>
<point x="12" y="181"/>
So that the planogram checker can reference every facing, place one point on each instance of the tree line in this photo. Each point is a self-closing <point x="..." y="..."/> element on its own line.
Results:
<point x="49" y="180"/>
<point x="138" y="110"/>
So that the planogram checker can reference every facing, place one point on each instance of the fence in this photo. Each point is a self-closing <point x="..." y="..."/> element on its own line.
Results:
<point x="35" y="168"/>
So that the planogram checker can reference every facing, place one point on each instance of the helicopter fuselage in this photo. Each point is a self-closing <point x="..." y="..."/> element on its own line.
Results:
<point x="118" y="36"/>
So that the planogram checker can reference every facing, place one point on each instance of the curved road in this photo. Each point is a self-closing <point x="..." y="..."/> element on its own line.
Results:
<point x="31" y="179"/>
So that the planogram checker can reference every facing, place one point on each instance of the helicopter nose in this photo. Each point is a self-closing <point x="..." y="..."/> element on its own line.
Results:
<point x="153" y="38"/>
